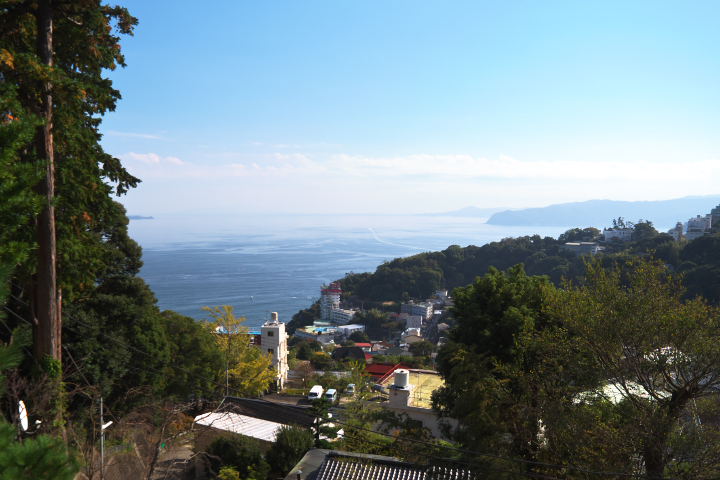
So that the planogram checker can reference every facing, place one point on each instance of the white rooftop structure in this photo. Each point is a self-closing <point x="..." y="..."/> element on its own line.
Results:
<point x="248" y="426"/>
<point x="241" y="424"/>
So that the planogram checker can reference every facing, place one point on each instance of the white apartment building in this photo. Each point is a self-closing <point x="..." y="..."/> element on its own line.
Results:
<point x="425" y="310"/>
<point x="618" y="234"/>
<point x="414" y="321"/>
<point x="342" y="317"/>
<point x="698" y="227"/>
<point x="441" y="294"/>
<point x="273" y="340"/>
<point x="677" y="232"/>
<point x="582" y="248"/>
<point x="329" y="299"/>
<point x="347" y="330"/>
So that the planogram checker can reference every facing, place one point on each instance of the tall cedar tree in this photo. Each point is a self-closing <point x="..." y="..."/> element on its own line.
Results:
<point x="52" y="58"/>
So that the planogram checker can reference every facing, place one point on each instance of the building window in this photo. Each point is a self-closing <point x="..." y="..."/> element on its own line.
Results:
<point x="271" y="333"/>
<point x="270" y="350"/>
<point x="419" y="423"/>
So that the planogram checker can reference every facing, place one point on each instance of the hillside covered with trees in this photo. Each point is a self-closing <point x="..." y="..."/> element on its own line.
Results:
<point x="418" y="276"/>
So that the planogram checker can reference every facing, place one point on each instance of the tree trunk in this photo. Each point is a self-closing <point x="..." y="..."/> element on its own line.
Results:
<point x="47" y="332"/>
<point x="654" y="455"/>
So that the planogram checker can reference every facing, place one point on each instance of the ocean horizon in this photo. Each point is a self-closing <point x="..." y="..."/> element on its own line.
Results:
<point x="264" y="263"/>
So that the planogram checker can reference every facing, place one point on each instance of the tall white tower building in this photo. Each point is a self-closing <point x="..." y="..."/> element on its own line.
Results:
<point x="273" y="340"/>
<point x="329" y="299"/>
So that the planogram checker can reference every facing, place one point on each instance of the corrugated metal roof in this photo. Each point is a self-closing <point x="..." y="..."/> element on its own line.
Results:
<point x="350" y="467"/>
<point x="242" y="424"/>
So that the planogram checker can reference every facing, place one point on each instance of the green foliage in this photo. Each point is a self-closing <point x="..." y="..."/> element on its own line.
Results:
<point x="290" y="445"/>
<point x="306" y="348"/>
<point x="192" y="348"/>
<point x="359" y="337"/>
<point x="349" y="283"/>
<point x="496" y="308"/>
<point x="347" y="343"/>
<point x="228" y="473"/>
<point x="320" y="360"/>
<point x="304" y="318"/>
<point x="320" y="408"/>
<point x="19" y="203"/>
<point x="124" y="308"/>
<point x="579" y="235"/>
<point x="250" y="369"/>
<point x="421" y="349"/>
<point x="495" y="317"/>
<point x="644" y="229"/>
<point x="619" y="369"/>
<point x="541" y="256"/>
<point x="240" y="453"/>
<point x="39" y="457"/>
<point x="85" y="47"/>
<point x="634" y="325"/>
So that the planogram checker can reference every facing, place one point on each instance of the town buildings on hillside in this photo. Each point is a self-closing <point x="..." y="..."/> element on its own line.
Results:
<point x="582" y="248"/>
<point x="618" y="234"/>
<point x="424" y="310"/>
<point x="697" y="226"/>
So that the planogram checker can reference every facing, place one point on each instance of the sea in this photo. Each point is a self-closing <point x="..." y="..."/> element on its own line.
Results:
<point x="277" y="263"/>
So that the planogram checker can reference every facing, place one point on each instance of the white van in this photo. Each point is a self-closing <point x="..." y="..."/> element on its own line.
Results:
<point x="331" y="395"/>
<point x="315" y="393"/>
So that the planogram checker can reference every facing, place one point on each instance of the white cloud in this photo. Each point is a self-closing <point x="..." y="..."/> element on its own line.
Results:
<point x="147" y="158"/>
<point x="414" y="183"/>
<point x="456" y="168"/>
<point x="465" y="166"/>
<point x="136" y="135"/>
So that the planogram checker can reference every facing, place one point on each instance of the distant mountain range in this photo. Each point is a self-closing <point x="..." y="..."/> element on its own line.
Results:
<point x="140" y="217"/>
<point x="469" y="212"/>
<point x="599" y="213"/>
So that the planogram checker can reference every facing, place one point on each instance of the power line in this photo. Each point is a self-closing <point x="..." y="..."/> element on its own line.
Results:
<point x="340" y="423"/>
<point x="451" y="460"/>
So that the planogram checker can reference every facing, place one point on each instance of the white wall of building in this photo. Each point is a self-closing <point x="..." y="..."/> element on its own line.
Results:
<point x="342" y="316"/>
<point x="348" y="330"/>
<point x="274" y="340"/>
<point x="414" y="321"/>
<point x="425" y="310"/>
<point x="621" y="234"/>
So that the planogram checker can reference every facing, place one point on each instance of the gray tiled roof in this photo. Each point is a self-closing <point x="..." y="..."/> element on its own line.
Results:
<point x="350" y="467"/>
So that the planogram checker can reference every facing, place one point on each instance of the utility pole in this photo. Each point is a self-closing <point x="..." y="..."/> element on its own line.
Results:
<point x="103" y="426"/>
<point x="102" y="443"/>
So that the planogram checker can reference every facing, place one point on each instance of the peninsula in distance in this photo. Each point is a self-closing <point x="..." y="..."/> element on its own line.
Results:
<point x="592" y="212"/>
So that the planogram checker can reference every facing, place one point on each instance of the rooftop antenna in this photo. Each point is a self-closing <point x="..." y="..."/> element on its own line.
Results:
<point x="22" y="413"/>
<point x="23" y="416"/>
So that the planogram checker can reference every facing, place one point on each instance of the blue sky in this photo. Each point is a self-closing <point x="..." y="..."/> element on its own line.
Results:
<point x="409" y="107"/>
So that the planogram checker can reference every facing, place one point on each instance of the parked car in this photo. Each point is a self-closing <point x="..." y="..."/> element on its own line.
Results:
<point x="331" y="395"/>
<point x="350" y="390"/>
<point x="315" y="393"/>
